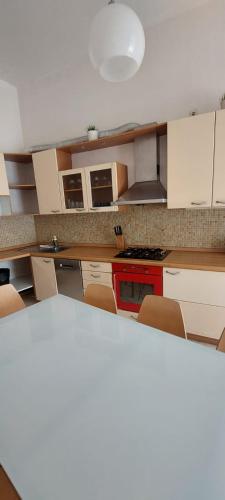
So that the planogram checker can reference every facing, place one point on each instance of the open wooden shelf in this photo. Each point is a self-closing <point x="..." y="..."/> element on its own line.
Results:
<point x="116" y="139"/>
<point x="22" y="186"/>
<point x="102" y="187"/>
<point x="18" y="157"/>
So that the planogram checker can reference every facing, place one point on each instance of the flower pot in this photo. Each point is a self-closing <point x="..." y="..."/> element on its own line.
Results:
<point x="92" y="135"/>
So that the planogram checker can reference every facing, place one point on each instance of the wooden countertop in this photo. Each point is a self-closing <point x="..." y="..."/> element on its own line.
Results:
<point x="201" y="260"/>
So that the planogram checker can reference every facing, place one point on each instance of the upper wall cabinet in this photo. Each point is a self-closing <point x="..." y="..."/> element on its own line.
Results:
<point x="73" y="191"/>
<point x="93" y="189"/>
<point x="105" y="183"/>
<point x="219" y="161"/>
<point x="190" y="161"/>
<point x="47" y="164"/>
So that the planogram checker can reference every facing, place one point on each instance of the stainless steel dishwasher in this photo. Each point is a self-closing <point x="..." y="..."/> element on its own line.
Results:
<point x="69" y="278"/>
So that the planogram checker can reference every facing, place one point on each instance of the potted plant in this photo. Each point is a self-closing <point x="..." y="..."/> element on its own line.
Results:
<point x="222" y="102"/>
<point x="92" y="133"/>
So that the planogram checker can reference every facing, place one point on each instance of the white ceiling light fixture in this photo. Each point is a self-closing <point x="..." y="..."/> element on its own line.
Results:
<point x="117" y="42"/>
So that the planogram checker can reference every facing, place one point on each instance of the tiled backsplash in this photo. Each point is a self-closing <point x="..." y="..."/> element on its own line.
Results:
<point x="16" y="230"/>
<point x="147" y="225"/>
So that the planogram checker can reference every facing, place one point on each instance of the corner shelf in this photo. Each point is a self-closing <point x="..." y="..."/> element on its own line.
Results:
<point x="18" y="157"/>
<point x="22" y="186"/>
<point x="22" y="283"/>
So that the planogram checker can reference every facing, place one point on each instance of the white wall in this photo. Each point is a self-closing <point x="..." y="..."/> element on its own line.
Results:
<point x="11" y="136"/>
<point x="183" y="70"/>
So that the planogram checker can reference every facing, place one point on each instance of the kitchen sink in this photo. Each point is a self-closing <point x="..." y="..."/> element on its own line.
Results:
<point x="51" y="249"/>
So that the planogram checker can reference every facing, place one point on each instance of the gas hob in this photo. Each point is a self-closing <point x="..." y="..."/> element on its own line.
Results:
<point x="143" y="253"/>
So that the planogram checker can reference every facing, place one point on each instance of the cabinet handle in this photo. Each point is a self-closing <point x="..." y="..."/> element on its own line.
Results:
<point x="198" y="203"/>
<point x="80" y="209"/>
<point x="173" y="273"/>
<point x="55" y="211"/>
<point x="133" y="317"/>
<point x="220" y="202"/>
<point x="93" y="209"/>
<point x="47" y="261"/>
<point x="95" y="265"/>
<point x="96" y="276"/>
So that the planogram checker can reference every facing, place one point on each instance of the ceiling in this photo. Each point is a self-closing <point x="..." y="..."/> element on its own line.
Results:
<point x="45" y="37"/>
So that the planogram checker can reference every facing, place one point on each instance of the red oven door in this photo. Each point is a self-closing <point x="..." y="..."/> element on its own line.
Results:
<point x="130" y="289"/>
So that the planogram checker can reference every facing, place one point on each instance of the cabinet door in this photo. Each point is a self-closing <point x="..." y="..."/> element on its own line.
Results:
<point x="203" y="320"/>
<point x="73" y="190"/>
<point x="102" y="187"/>
<point x="203" y="287"/>
<point x="44" y="277"/>
<point x="47" y="182"/>
<point x="4" y="187"/>
<point x="219" y="161"/>
<point x="190" y="161"/>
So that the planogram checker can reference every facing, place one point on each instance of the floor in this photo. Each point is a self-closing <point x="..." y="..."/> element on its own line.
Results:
<point x="29" y="298"/>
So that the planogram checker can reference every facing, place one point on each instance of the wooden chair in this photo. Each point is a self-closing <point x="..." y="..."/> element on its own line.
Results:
<point x="10" y="300"/>
<point x="100" y="296"/>
<point x="163" y="314"/>
<point x="7" y="491"/>
<point x="221" y="344"/>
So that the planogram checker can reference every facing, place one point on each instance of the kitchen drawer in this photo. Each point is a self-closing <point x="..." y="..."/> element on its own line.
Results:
<point x="203" y="287"/>
<point x="104" y="267"/>
<point x="201" y="319"/>
<point x="97" y="277"/>
<point x="127" y="314"/>
<point x="88" y="282"/>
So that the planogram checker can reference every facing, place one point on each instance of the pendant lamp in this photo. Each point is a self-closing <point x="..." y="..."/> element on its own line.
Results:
<point x="117" y="42"/>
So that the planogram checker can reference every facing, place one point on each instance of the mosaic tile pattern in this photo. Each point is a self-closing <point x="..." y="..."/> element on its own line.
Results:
<point x="147" y="225"/>
<point x="16" y="230"/>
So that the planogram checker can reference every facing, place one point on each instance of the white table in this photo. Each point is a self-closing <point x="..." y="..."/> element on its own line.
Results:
<point x="96" y="407"/>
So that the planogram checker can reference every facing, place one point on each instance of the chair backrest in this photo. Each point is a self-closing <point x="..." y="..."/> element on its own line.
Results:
<point x="10" y="300"/>
<point x="163" y="314"/>
<point x="221" y="343"/>
<point x="100" y="296"/>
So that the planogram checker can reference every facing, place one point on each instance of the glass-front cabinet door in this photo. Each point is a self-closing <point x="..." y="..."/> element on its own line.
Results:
<point x="73" y="190"/>
<point x="102" y="187"/>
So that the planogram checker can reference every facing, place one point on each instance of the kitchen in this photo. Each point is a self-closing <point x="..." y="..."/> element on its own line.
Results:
<point x="138" y="209"/>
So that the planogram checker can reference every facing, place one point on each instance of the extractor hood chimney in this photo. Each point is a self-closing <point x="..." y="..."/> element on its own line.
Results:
<point x="150" y="172"/>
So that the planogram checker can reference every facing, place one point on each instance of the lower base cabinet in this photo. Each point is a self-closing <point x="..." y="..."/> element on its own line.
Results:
<point x="201" y="295"/>
<point x="96" y="272"/>
<point x="44" y="277"/>
<point x="203" y="320"/>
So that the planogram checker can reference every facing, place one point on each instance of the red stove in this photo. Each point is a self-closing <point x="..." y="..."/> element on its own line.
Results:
<point x="133" y="281"/>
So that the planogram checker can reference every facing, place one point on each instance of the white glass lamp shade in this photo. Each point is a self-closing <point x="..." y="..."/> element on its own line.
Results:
<point x="117" y="42"/>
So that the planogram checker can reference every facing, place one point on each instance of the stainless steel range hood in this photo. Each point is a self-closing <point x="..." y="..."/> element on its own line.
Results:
<point x="142" y="193"/>
<point x="150" y="172"/>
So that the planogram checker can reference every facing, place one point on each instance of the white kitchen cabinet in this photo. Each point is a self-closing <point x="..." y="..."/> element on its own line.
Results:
<point x="96" y="272"/>
<point x="73" y="191"/>
<point x="47" y="164"/>
<point x="190" y="161"/>
<point x="203" y="320"/>
<point x="202" y="298"/>
<point x="219" y="162"/>
<point x="44" y="277"/>
<point x="105" y="183"/>
<point x="204" y="287"/>
<point x="104" y="267"/>
<point x="4" y="187"/>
